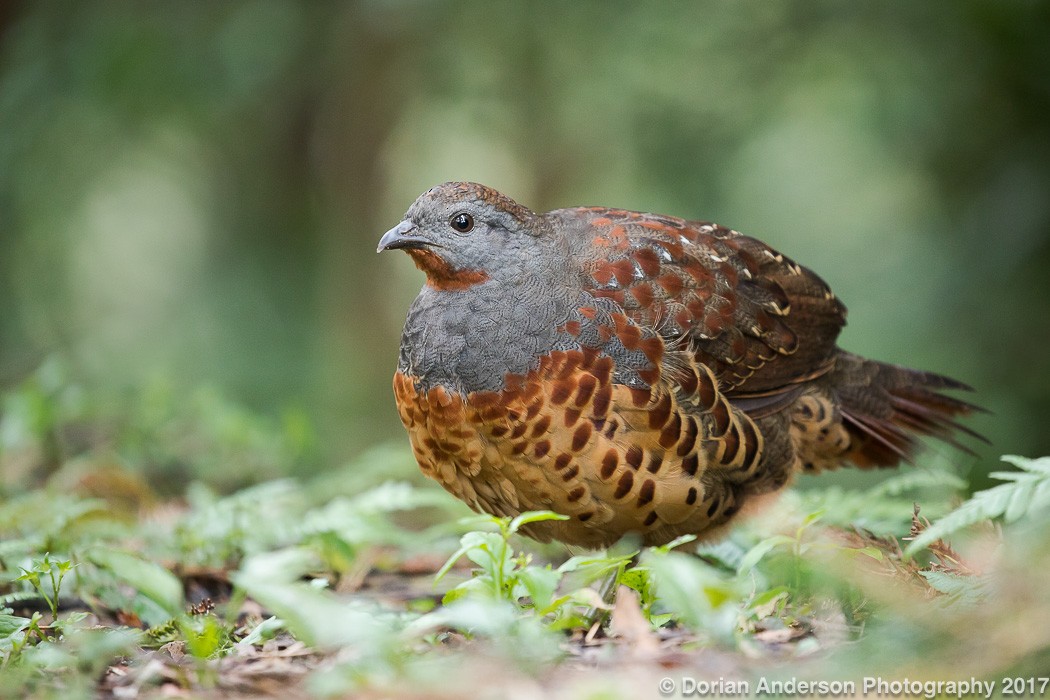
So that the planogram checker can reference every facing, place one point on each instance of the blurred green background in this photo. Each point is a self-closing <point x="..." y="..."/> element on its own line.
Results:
<point x="191" y="193"/>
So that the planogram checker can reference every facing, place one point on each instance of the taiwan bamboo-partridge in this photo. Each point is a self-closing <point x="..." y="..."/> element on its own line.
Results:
<point x="637" y="373"/>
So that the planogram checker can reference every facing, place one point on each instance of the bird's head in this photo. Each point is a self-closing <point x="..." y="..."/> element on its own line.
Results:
<point x="462" y="234"/>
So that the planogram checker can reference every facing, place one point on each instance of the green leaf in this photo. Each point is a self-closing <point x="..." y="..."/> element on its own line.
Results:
<point x="695" y="592"/>
<point x="12" y="624"/>
<point x="534" y="516"/>
<point x="636" y="578"/>
<point x="449" y="563"/>
<point x="727" y="553"/>
<point x="150" y="579"/>
<point x="916" y="479"/>
<point x="540" y="584"/>
<point x="467" y="543"/>
<point x="1026" y="491"/>
<point x="593" y="567"/>
<point x="31" y="577"/>
<point x="870" y="551"/>
<point x="478" y="521"/>
<point x="968" y="590"/>
<point x="392" y="496"/>
<point x="474" y="616"/>
<point x="755" y="554"/>
<point x="265" y="630"/>
<point x="1039" y="465"/>
<point x="875" y="509"/>
<point x="280" y="566"/>
<point x="205" y="636"/>
<point x="811" y="518"/>
<point x="315" y="616"/>
<point x="477" y="587"/>
<point x="676" y="542"/>
<point x="765" y="604"/>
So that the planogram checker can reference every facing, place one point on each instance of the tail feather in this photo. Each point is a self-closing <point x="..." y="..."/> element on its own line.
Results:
<point x="935" y="421"/>
<point x="886" y="407"/>
<point x="876" y="443"/>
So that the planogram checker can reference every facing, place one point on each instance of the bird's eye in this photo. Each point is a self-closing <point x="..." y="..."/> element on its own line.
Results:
<point x="462" y="222"/>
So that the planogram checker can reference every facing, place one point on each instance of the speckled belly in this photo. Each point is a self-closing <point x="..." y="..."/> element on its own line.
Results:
<point x="566" y="438"/>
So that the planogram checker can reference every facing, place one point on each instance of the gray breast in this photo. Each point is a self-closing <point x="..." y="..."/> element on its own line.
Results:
<point x="470" y="340"/>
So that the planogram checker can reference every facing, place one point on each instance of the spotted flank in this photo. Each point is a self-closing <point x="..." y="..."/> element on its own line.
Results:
<point x="566" y="437"/>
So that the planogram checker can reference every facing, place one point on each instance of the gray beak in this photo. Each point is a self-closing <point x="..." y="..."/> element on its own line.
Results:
<point x="398" y="237"/>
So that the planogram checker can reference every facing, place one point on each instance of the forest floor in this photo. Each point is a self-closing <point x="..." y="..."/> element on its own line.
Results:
<point x="296" y="589"/>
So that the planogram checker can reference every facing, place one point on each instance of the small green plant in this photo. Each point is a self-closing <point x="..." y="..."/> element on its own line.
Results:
<point x="503" y="575"/>
<point x="45" y="575"/>
<point x="672" y="587"/>
<point x="560" y="597"/>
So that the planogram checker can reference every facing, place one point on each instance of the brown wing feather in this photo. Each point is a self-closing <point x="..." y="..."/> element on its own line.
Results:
<point x="761" y="322"/>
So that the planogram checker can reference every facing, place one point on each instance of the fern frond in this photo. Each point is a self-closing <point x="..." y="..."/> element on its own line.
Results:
<point x="965" y="590"/>
<point x="1024" y="492"/>
<point x="15" y="597"/>
<point x="880" y="514"/>
<point x="916" y="479"/>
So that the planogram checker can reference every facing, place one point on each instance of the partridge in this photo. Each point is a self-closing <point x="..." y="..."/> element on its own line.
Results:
<point x="634" y="372"/>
